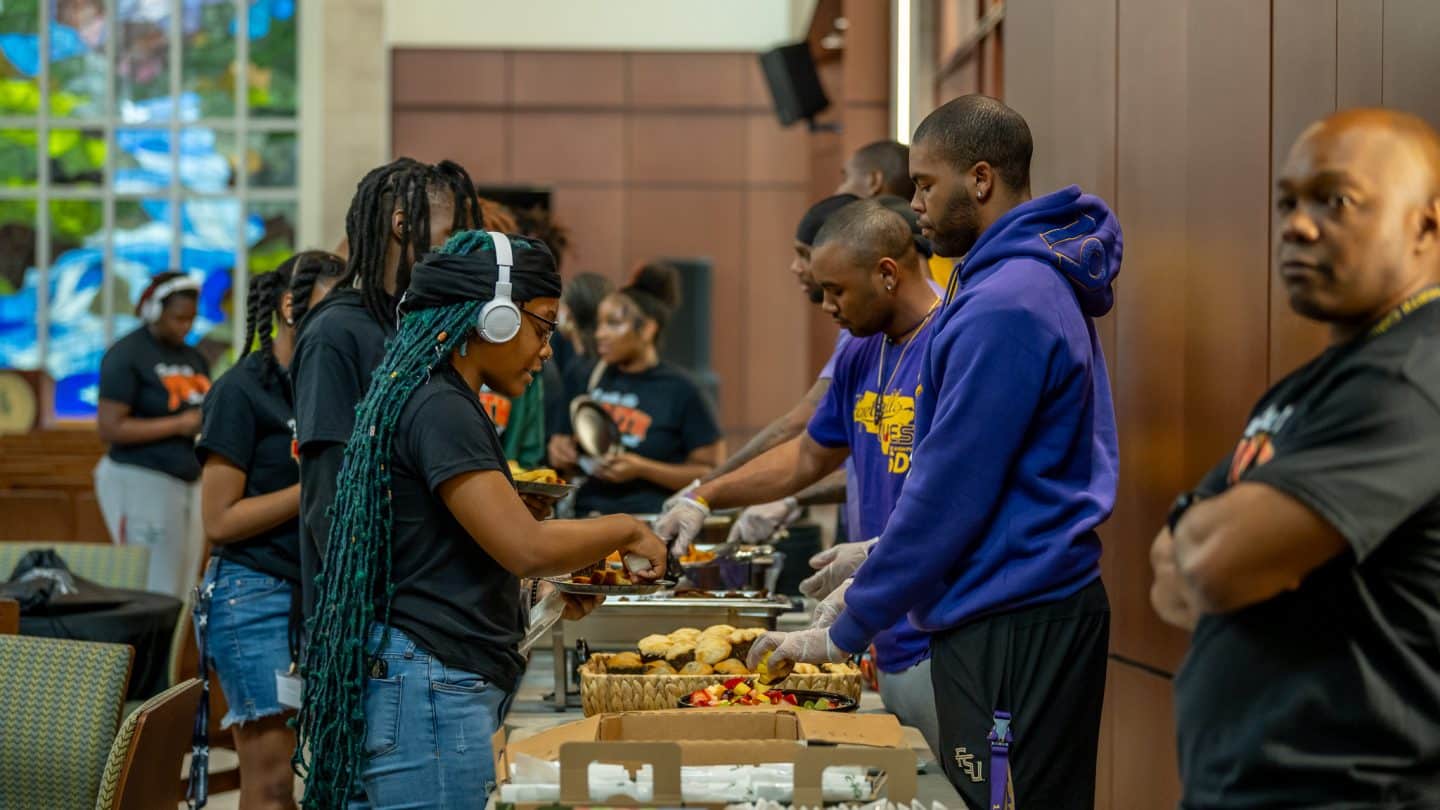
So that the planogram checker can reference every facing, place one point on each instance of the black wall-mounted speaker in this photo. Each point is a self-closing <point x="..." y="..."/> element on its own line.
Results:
<point x="794" y="84"/>
<point x="686" y="342"/>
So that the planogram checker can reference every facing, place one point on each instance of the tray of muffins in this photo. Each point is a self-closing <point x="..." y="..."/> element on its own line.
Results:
<point x="664" y="668"/>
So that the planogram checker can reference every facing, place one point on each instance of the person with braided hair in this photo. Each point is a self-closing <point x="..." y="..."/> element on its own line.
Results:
<point x="412" y="657"/>
<point x="399" y="212"/>
<point x="314" y="276"/>
<point x="668" y="430"/>
<point x="250" y="502"/>
<point x="151" y="385"/>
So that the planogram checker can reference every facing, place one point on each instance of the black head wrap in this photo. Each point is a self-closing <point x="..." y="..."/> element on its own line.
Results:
<point x="442" y="279"/>
<point x="811" y="223"/>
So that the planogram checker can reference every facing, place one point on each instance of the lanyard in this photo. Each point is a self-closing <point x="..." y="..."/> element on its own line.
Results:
<point x="1407" y="308"/>
<point x="198" y="791"/>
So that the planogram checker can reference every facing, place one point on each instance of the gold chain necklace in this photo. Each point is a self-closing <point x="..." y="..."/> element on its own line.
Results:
<point x="879" y="412"/>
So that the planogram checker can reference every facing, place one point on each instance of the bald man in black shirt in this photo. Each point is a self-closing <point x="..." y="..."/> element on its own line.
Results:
<point x="1308" y="562"/>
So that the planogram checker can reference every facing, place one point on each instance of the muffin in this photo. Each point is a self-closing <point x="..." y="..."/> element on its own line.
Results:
<point x="626" y="663"/>
<point x="659" y="668"/>
<point x="653" y="648"/>
<point x="697" y="668"/>
<point x="712" y="650"/>
<point x="839" y="669"/>
<point x="680" y="654"/>
<point x="805" y="669"/>
<point x="741" y="641"/>
<point x="720" y="630"/>
<point x="731" y="666"/>
<point x="683" y="635"/>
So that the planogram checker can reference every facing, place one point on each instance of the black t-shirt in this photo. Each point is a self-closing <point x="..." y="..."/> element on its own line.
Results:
<point x="249" y="422"/>
<point x="1328" y="696"/>
<point x="451" y="596"/>
<point x="155" y="380"/>
<point x="339" y="348"/>
<point x="662" y="416"/>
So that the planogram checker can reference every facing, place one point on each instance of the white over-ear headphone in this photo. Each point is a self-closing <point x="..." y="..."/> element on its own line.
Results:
<point x="151" y="310"/>
<point x="499" y="320"/>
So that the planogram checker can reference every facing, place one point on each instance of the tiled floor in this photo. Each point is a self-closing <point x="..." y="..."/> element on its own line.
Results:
<point x="531" y="713"/>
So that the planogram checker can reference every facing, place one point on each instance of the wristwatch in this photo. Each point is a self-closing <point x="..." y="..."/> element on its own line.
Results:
<point x="1181" y="505"/>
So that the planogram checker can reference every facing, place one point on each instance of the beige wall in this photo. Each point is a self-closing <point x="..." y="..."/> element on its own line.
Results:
<point x="344" y="110"/>
<point x="654" y="25"/>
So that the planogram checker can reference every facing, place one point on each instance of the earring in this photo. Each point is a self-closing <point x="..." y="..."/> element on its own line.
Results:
<point x="464" y="348"/>
<point x="289" y="321"/>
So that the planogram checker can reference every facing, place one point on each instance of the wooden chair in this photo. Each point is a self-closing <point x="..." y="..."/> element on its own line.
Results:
<point x="148" y="751"/>
<point x="62" y="703"/>
<point x="9" y="617"/>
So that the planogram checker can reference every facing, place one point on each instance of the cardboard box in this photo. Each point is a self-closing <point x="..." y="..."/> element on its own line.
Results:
<point x="666" y="740"/>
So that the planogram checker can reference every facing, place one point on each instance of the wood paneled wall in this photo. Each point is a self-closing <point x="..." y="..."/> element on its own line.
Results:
<point x="648" y="154"/>
<point x="1179" y="113"/>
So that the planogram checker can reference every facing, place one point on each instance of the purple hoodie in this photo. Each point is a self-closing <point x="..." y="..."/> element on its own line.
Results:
<point x="1016" y="458"/>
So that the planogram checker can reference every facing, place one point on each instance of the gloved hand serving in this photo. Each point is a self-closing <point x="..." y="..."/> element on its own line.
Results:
<point x="811" y="646"/>
<point x="831" y="607"/>
<point x="682" y="522"/>
<point x="759" y="523"/>
<point x="834" y="566"/>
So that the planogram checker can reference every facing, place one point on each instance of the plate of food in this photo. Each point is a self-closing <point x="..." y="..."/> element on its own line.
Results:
<point x="541" y="481"/>
<point x="607" y="581"/>
<point x="745" y="692"/>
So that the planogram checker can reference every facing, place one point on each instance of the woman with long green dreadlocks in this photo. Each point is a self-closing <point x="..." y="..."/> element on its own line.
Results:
<point x="412" y="659"/>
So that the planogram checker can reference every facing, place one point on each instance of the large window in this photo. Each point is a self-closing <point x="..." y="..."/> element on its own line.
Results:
<point x="138" y="136"/>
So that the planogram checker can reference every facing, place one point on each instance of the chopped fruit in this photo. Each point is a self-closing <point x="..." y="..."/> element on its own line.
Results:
<point x="742" y="692"/>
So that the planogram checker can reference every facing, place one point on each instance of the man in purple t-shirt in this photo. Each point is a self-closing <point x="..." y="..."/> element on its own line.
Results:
<point x="875" y="287"/>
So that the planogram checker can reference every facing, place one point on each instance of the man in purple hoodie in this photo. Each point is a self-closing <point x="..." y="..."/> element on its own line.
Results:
<point x="992" y="545"/>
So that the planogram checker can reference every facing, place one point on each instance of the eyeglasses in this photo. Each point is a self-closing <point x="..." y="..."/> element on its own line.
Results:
<point x="550" y="326"/>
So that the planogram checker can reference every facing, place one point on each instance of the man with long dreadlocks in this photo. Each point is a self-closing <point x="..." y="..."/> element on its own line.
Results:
<point x="249" y="502"/>
<point x="412" y="659"/>
<point x="399" y="211"/>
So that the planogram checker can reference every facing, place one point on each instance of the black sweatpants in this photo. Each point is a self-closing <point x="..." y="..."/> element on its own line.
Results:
<point x="1046" y="666"/>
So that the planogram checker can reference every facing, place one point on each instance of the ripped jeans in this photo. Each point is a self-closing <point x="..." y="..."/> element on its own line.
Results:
<point x="428" y="730"/>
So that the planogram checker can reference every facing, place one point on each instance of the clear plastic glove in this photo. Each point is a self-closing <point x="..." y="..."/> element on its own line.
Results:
<point x="829" y="609"/>
<point x="670" y="501"/>
<point x="811" y="646"/>
<point x="758" y="524"/>
<point x="833" y="566"/>
<point x="681" y="523"/>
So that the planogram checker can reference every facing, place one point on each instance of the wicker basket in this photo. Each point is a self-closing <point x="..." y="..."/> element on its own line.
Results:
<point x="605" y="692"/>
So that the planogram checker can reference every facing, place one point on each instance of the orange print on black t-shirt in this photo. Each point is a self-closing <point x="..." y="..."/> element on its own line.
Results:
<point x="634" y="423"/>
<point x="185" y="386"/>
<point x="498" y="407"/>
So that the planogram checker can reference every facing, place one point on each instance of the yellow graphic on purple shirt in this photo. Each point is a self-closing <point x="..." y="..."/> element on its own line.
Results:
<point x="895" y="427"/>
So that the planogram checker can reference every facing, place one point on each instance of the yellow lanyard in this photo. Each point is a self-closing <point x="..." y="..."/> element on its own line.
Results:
<point x="1406" y="308"/>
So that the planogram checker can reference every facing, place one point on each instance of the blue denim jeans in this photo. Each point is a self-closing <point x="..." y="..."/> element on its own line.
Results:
<point x="249" y="639"/>
<point x="427" y="731"/>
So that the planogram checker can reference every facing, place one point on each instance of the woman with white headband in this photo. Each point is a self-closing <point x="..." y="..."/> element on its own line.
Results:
<point x="151" y="386"/>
